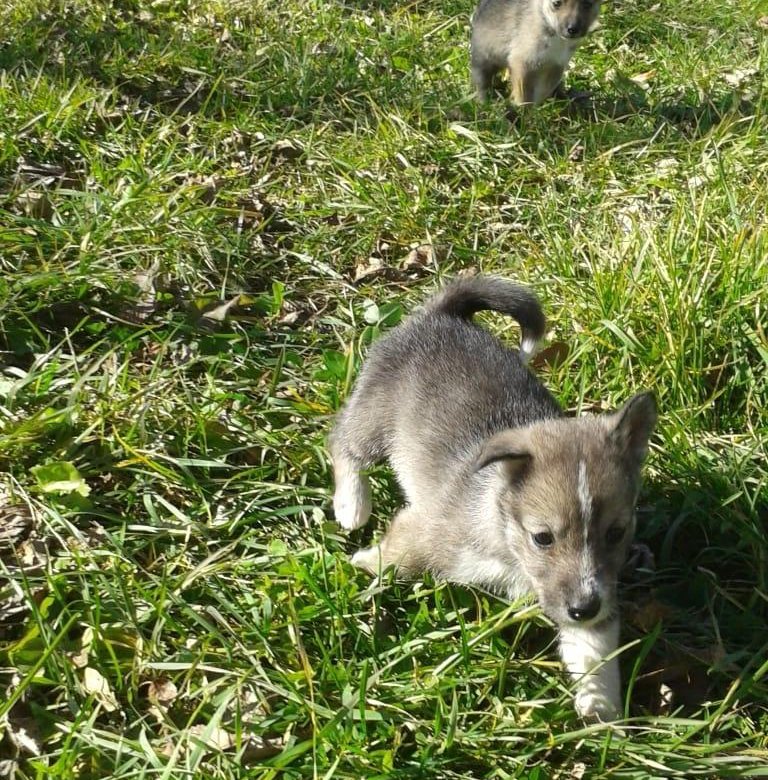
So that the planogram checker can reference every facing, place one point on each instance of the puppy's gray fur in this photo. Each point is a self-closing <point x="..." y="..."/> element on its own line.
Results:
<point x="533" y="39"/>
<point x="501" y="489"/>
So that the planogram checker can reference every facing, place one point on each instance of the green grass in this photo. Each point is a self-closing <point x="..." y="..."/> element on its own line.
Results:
<point x="195" y="614"/>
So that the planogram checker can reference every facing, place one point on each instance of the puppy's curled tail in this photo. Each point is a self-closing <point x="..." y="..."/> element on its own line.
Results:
<point x="464" y="297"/>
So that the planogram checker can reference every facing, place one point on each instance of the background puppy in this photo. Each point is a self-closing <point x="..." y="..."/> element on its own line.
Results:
<point x="502" y="490"/>
<point x="533" y="39"/>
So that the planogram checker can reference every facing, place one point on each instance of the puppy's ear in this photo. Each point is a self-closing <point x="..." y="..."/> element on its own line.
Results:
<point x="511" y="448"/>
<point x="632" y="426"/>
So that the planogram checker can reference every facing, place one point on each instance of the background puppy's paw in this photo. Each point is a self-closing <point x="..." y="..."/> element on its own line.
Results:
<point x="596" y="706"/>
<point x="368" y="558"/>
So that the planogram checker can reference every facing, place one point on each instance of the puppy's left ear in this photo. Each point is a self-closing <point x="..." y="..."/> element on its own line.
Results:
<point x="633" y="425"/>
<point x="510" y="448"/>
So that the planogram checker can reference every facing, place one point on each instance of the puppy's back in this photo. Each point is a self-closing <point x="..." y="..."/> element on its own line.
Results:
<point x="438" y="385"/>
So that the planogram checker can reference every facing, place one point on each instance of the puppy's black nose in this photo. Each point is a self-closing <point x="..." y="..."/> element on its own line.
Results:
<point x="584" y="610"/>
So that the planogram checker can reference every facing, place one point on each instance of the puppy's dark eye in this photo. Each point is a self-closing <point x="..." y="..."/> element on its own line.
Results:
<point x="557" y="3"/>
<point x="543" y="539"/>
<point x="615" y="534"/>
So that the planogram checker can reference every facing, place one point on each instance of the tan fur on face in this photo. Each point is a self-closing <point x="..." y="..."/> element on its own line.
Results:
<point x="577" y="485"/>
<point x="576" y="14"/>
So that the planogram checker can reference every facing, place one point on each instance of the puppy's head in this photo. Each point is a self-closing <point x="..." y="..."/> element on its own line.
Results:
<point x="566" y="497"/>
<point x="571" y="19"/>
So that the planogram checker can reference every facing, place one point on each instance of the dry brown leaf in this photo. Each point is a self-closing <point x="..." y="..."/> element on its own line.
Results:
<point x="80" y="658"/>
<point x="643" y="79"/>
<point x="36" y="205"/>
<point x="16" y="524"/>
<point x="287" y="149"/>
<point x="213" y="737"/>
<point x="553" y="355"/>
<point x="162" y="692"/>
<point x="256" y="748"/>
<point x="220" y="312"/>
<point x="763" y="22"/>
<point x="646" y="617"/>
<point x="368" y="269"/>
<point x="95" y="683"/>
<point x="737" y="78"/>
<point x="146" y="302"/>
<point x="419" y="258"/>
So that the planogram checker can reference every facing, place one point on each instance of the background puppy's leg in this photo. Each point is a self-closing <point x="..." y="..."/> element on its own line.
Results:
<point x="598" y="691"/>
<point x="482" y="80"/>
<point x="522" y="83"/>
<point x="399" y="548"/>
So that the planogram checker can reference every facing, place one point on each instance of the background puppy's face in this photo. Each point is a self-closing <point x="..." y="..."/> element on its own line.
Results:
<point x="568" y="505"/>
<point x="571" y="19"/>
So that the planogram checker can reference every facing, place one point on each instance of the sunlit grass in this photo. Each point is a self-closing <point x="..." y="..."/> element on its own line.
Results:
<point x="207" y="214"/>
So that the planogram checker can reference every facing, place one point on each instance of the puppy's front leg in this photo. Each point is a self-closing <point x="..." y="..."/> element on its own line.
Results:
<point x="583" y="650"/>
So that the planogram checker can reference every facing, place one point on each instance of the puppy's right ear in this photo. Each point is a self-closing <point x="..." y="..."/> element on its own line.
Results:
<point x="511" y="448"/>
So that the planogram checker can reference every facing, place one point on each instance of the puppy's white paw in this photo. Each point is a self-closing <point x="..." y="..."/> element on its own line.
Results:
<point x="368" y="558"/>
<point x="352" y="501"/>
<point x="596" y="705"/>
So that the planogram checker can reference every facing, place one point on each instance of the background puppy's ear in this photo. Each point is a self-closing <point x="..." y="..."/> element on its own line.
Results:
<point x="510" y="447"/>
<point x="633" y="425"/>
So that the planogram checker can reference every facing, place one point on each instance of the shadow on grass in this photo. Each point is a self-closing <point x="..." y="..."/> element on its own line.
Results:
<point x="700" y="617"/>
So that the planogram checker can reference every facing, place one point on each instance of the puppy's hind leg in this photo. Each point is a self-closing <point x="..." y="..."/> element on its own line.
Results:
<point x="352" y="493"/>
<point x="401" y="547"/>
<point x="354" y="446"/>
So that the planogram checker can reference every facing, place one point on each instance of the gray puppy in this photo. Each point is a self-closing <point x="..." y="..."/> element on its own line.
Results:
<point x="502" y="490"/>
<point x="533" y="39"/>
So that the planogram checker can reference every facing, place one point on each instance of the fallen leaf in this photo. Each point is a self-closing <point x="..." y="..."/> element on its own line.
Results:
<point x="739" y="77"/>
<point x="213" y="737"/>
<point x="255" y="747"/>
<point x="642" y="79"/>
<point x="368" y="269"/>
<point x="80" y="658"/>
<point x="46" y="175"/>
<point x="287" y="149"/>
<point x="15" y="525"/>
<point x="256" y="211"/>
<point x="552" y="355"/>
<point x="162" y="692"/>
<point x="419" y="258"/>
<point x="147" y="299"/>
<point x="36" y="205"/>
<point x="95" y="683"/>
<point x="666" y="166"/>
<point x="220" y="312"/>
<point x="763" y="22"/>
